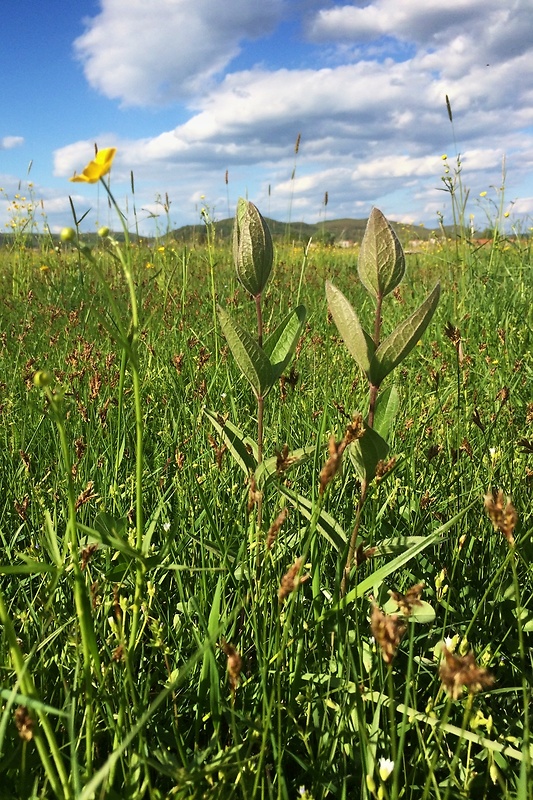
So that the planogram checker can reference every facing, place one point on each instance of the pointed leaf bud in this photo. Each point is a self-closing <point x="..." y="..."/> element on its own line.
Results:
<point x="381" y="263"/>
<point x="252" y="248"/>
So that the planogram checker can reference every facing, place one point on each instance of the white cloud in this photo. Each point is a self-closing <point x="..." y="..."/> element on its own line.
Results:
<point x="373" y="128"/>
<point x="157" y="52"/>
<point x="8" y="142"/>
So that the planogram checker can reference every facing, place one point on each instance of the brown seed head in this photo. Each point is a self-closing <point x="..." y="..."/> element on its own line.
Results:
<point x="387" y="630"/>
<point x="502" y="514"/>
<point x="283" y="460"/>
<point x="87" y="553"/>
<point x="362" y="555"/>
<point x="333" y="464"/>
<point x="291" y="580"/>
<point x="254" y="495"/>
<point x="24" y="723"/>
<point x="234" y="665"/>
<point x="384" y="467"/>
<point x="458" y="671"/>
<point x="355" y="430"/>
<point x="406" y="602"/>
<point x="86" y="496"/>
<point x="274" y="529"/>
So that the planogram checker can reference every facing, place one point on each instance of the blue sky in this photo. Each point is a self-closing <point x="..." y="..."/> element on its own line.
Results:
<point x="187" y="89"/>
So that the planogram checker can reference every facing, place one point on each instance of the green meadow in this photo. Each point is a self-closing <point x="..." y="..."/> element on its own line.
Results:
<point x="247" y="554"/>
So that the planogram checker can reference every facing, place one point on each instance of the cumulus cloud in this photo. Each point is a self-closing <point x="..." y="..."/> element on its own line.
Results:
<point x="158" y="52"/>
<point x="373" y="127"/>
<point x="8" y="142"/>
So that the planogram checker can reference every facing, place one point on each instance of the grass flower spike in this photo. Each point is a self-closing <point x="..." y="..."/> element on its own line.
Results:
<point x="98" y="167"/>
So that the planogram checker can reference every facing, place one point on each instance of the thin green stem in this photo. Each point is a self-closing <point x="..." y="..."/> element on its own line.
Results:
<point x="56" y="771"/>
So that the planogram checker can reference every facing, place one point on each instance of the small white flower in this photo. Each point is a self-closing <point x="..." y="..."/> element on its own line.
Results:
<point x="166" y="527"/>
<point x="386" y="767"/>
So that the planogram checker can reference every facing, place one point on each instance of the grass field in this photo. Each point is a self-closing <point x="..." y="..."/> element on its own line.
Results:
<point x="159" y="637"/>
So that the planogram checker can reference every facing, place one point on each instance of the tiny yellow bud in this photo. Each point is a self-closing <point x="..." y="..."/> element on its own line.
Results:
<point x="483" y="194"/>
<point x="103" y="232"/>
<point x="43" y="378"/>
<point x="67" y="234"/>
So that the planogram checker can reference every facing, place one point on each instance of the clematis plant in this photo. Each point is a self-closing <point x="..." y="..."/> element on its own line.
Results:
<point x="97" y="168"/>
<point x="261" y="360"/>
<point x="381" y="267"/>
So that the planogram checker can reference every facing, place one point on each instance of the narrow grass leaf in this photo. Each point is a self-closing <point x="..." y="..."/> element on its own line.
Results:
<point x="237" y="443"/>
<point x="326" y="525"/>
<point x="30" y="568"/>
<point x="379" y="575"/>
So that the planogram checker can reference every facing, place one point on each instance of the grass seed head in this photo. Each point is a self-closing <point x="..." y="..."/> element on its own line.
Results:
<point x="274" y="529"/>
<point x="291" y="580"/>
<point x="459" y="671"/>
<point x="254" y="495"/>
<point x="502" y="514"/>
<point x="406" y="602"/>
<point x="234" y="665"/>
<point x="333" y="464"/>
<point x="388" y="630"/>
<point x="24" y="723"/>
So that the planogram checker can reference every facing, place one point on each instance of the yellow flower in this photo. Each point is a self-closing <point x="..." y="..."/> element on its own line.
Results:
<point x="98" y="167"/>
<point x="483" y="194"/>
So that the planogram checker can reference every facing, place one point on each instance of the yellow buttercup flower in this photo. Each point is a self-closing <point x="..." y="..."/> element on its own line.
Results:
<point x="98" y="167"/>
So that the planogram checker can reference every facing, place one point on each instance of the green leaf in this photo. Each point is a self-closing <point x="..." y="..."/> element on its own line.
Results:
<point x="281" y="344"/>
<point x="387" y="405"/>
<point x="381" y="264"/>
<point x="29" y="568"/>
<point x="326" y="525"/>
<point x="402" y="340"/>
<point x="251" y="359"/>
<point x="366" y="452"/>
<point x="357" y="340"/>
<point x="209" y="677"/>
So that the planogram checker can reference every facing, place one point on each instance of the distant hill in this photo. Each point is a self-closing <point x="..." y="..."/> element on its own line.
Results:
<point x="331" y="231"/>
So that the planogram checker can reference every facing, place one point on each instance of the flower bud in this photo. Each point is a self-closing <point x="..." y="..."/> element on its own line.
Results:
<point x="252" y="248"/>
<point x="103" y="232"/>
<point x="67" y="235"/>
<point x="43" y="378"/>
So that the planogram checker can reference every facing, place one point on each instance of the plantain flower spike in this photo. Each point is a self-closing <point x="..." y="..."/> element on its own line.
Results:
<point x="97" y="168"/>
<point x="252" y="248"/>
